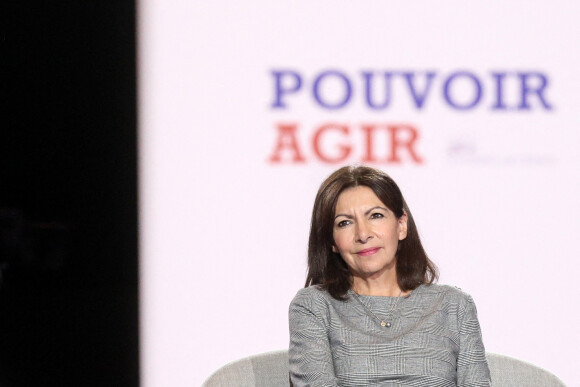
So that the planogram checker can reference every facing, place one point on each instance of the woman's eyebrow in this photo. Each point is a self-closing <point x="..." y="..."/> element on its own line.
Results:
<point x="374" y="208"/>
<point x="345" y="215"/>
<point x="366" y="212"/>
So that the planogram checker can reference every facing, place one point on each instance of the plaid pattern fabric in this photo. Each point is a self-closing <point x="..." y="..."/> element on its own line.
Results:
<point x="434" y="340"/>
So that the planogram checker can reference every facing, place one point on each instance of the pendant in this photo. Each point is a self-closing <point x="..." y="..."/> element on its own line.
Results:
<point x="385" y="324"/>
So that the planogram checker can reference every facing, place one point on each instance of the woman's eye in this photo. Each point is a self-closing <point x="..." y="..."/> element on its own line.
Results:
<point x="377" y="215"/>
<point x="343" y="223"/>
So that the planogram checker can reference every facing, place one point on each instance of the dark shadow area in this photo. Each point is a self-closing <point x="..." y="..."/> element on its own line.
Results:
<point x="68" y="194"/>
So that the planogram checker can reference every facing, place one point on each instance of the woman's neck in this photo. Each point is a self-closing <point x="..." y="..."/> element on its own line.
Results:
<point x="370" y="287"/>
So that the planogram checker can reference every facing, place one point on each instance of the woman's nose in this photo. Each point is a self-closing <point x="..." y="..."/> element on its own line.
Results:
<point x="363" y="233"/>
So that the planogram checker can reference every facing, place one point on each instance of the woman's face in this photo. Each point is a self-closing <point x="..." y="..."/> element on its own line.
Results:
<point x="366" y="233"/>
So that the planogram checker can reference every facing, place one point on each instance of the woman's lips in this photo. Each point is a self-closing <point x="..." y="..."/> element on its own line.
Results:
<point x="369" y="251"/>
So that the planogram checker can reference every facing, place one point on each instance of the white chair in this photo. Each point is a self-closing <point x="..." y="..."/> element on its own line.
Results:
<point x="271" y="370"/>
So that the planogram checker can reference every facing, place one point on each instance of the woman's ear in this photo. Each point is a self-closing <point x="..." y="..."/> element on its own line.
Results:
<point x="334" y="250"/>
<point x="403" y="226"/>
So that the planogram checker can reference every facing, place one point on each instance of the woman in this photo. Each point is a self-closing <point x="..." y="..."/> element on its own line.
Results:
<point x="370" y="313"/>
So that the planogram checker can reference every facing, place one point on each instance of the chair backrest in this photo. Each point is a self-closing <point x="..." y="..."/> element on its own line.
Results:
<point x="271" y="370"/>
<point x="265" y="370"/>
<point x="510" y="372"/>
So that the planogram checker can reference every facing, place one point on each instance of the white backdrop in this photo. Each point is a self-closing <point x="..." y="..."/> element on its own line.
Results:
<point x="493" y="182"/>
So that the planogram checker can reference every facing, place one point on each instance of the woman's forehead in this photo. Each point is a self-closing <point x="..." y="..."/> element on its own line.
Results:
<point x="359" y="196"/>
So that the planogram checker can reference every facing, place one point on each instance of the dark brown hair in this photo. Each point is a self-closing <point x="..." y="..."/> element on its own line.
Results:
<point x="327" y="268"/>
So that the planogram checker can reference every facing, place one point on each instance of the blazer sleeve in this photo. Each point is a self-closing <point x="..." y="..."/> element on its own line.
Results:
<point x="472" y="368"/>
<point x="310" y="359"/>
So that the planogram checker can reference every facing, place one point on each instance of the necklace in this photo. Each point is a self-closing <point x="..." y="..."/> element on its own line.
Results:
<point x="384" y="322"/>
